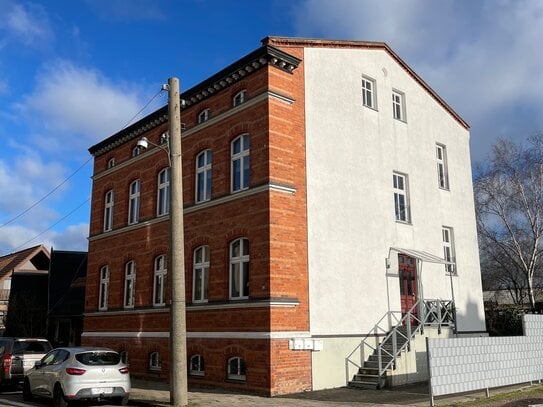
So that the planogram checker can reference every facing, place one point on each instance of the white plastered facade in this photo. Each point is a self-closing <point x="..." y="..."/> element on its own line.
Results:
<point x="352" y="152"/>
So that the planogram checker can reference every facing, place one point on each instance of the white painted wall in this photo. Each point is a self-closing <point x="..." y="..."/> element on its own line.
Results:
<point x="352" y="152"/>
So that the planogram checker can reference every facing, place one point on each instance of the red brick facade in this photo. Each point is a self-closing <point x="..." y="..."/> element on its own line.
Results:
<point x="270" y="214"/>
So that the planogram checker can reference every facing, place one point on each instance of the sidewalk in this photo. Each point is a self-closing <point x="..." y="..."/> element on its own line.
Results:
<point x="148" y="393"/>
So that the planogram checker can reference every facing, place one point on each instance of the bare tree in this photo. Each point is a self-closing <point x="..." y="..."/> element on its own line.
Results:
<point x="509" y="205"/>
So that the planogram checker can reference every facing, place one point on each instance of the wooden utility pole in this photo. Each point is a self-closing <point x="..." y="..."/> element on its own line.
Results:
<point x="178" y="325"/>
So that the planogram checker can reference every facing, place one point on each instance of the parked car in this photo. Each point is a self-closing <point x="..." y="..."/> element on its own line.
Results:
<point x="69" y="374"/>
<point x="18" y="355"/>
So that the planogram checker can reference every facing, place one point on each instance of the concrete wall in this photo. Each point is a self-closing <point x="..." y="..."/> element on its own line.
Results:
<point x="352" y="152"/>
<point x="465" y="364"/>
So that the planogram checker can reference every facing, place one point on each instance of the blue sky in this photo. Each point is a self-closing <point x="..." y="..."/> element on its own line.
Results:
<point x="73" y="72"/>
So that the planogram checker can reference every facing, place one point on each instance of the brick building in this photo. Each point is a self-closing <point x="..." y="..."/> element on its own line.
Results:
<point x="306" y="164"/>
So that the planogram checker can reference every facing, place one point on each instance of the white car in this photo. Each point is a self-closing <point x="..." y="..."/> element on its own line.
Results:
<point x="69" y="374"/>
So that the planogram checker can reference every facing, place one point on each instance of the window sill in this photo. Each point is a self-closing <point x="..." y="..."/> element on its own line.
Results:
<point x="236" y="380"/>
<point x="197" y="374"/>
<point x="445" y="189"/>
<point x="404" y="222"/>
<point x="370" y="107"/>
<point x="400" y="120"/>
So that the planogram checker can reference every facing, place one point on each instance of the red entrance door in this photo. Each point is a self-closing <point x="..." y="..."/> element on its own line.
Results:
<point x="408" y="284"/>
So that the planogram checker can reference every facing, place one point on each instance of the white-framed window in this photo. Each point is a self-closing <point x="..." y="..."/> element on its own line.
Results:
<point x="196" y="365"/>
<point x="159" y="285"/>
<point x="104" y="288"/>
<point x="109" y="203"/>
<point x="369" y="98"/>
<point x="136" y="151"/>
<point x="239" y="98"/>
<point x="111" y="163"/>
<point x="240" y="149"/>
<point x="129" y="284"/>
<point x="398" y="105"/>
<point x="200" y="274"/>
<point x="236" y="369"/>
<point x="448" y="249"/>
<point x="239" y="269"/>
<point x="155" y="362"/>
<point x="203" y="116"/>
<point x="203" y="176"/>
<point x="164" y="138"/>
<point x="401" y="197"/>
<point x="134" y="202"/>
<point x="124" y="357"/>
<point x="163" y="193"/>
<point x="442" y="171"/>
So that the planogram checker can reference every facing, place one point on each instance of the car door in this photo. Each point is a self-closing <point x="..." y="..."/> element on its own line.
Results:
<point x="53" y="370"/>
<point x="36" y="376"/>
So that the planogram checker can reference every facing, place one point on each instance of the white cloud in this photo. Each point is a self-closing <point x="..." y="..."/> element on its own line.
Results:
<point x="27" y="23"/>
<point x="79" y="106"/>
<point x="484" y="58"/>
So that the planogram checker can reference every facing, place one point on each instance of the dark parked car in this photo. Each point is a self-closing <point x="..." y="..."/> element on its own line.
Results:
<point x="18" y="355"/>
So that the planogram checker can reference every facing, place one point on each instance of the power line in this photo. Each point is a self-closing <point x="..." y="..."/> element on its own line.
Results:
<point x="52" y="226"/>
<point x="77" y="170"/>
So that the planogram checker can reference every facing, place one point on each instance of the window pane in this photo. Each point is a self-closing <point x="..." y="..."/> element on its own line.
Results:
<point x="246" y="172"/>
<point x="246" y="142"/>
<point x="208" y="185"/>
<point x="198" y="284"/>
<point x="236" y="146"/>
<point x="206" y="279"/>
<point x="235" y="252"/>
<point x="236" y="173"/>
<point x="245" y="279"/>
<point x="235" y="283"/>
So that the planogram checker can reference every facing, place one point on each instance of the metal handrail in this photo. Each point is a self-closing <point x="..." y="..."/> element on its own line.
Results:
<point x="435" y="312"/>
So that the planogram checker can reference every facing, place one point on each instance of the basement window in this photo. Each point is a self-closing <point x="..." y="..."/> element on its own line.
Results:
<point x="236" y="369"/>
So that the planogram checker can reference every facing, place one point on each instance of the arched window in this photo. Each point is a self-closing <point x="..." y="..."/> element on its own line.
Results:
<point x="155" y="362"/>
<point x="111" y="163"/>
<point x="239" y="269"/>
<point x="201" y="274"/>
<point x="236" y="369"/>
<point x="136" y="151"/>
<point x="203" y="176"/>
<point x="240" y="163"/>
<point x="104" y="288"/>
<point x="196" y="365"/>
<point x="109" y="203"/>
<point x="159" y="286"/>
<point x="203" y="116"/>
<point x="239" y="98"/>
<point x="124" y="357"/>
<point x="134" y="202"/>
<point x="130" y="284"/>
<point x="163" y="193"/>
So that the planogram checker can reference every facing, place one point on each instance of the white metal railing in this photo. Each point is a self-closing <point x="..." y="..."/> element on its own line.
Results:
<point x="434" y="313"/>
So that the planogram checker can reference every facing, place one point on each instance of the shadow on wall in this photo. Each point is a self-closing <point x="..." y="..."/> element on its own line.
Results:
<point x="470" y="321"/>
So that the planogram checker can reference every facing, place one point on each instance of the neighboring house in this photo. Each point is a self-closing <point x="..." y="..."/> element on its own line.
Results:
<point x="22" y="278"/>
<point x="326" y="187"/>
<point x="66" y="301"/>
<point x="33" y="261"/>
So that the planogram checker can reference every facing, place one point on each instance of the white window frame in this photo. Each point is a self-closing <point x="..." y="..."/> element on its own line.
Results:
<point x="163" y="192"/>
<point x="239" y="98"/>
<point x="244" y="158"/>
<point x="129" y="284"/>
<point x="369" y="92"/>
<point x="136" y="151"/>
<point x="204" y="174"/>
<point x="159" y="281"/>
<point x="442" y="167"/>
<point x="200" y="365"/>
<point x="203" y="116"/>
<point x="134" y="191"/>
<point x="398" y="105"/>
<point x="155" y="362"/>
<point x="236" y="269"/>
<point x="401" y="191"/>
<point x="449" y="254"/>
<point x="103" y="290"/>
<point x="111" y="163"/>
<point x="200" y="267"/>
<point x="109" y="204"/>
<point x="238" y="374"/>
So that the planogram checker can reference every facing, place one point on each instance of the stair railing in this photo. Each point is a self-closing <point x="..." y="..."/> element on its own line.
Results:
<point x="435" y="312"/>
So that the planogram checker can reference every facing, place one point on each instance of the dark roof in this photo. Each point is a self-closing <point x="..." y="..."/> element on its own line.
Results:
<point x="67" y="275"/>
<point x="262" y="56"/>
<point x="37" y="255"/>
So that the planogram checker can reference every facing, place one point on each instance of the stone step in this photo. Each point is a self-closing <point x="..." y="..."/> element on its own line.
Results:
<point x="363" y="385"/>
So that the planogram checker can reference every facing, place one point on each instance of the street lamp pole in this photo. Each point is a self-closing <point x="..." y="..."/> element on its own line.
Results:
<point x="178" y="327"/>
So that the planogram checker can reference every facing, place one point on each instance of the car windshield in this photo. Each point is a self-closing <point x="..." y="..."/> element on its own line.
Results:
<point x="36" y="347"/>
<point x="98" y="358"/>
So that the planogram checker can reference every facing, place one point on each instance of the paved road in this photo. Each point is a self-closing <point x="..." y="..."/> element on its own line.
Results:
<point x="15" y="399"/>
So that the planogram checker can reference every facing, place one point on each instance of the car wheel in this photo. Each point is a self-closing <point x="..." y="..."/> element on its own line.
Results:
<point x="27" y="392"/>
<point x="58" y="397"/>
<point x="121" y="401"/>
